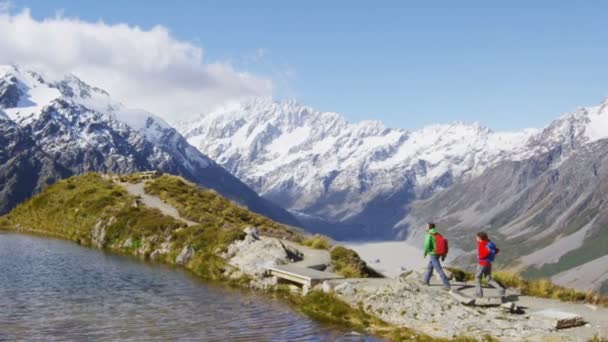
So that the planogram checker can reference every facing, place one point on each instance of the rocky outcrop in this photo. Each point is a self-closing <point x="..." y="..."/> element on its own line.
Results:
<point x="98" y="233"/>
<point x="405" y="302"/>
<point x="254" y="254"/>
<point x="185" y="255"/>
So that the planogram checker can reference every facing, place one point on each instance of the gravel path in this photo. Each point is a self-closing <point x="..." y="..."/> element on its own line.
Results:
<point x="155" y="202"/>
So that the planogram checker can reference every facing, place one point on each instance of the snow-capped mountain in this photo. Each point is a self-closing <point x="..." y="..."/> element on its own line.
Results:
<point x="319" y="165"/>
<point x="71" y="127"/>
<point x="538" y="189"/>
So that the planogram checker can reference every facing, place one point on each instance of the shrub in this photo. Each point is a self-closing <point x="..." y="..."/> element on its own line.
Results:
<point x="347" y="263"/>
<point x="317" y="242"/>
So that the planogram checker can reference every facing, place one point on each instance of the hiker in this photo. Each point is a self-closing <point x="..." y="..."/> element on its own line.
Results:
<point x="436" y="246"/>
<point x="486" y="253"/>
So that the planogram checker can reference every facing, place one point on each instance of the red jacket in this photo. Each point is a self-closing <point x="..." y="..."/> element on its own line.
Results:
<point x="483" y="252"/>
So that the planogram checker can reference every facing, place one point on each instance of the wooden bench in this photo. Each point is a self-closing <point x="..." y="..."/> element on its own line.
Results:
<point x="301" y="275"/>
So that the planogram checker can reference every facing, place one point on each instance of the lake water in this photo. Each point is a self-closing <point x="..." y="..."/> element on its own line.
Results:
<point x="55" y="290"/>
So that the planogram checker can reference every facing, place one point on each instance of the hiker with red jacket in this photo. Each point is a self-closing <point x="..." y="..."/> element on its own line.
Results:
<point x="486" y="252"/>
<point x="436" y="246"/>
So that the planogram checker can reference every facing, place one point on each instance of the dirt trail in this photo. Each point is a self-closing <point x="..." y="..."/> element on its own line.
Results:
<point x="155" y="202"/>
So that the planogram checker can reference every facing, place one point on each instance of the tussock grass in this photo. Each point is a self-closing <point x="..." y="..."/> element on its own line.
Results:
<point x="317" y="242"/>
<point x="207" y="207"/>
<point x="461" y="275"/>
<point x="542" y="288"/>
<point x="347" y="263"/>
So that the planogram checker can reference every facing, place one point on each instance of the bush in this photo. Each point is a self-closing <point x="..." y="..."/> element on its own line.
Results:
<point x="347" y="263"/>
<point x="317" y="242"/>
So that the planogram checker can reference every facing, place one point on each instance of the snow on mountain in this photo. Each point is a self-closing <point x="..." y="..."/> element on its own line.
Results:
<point x="318" y="164"/>
<point x="83" y="129"/>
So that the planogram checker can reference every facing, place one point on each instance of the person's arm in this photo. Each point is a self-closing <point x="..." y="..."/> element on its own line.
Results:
<point x="427" y="244"/>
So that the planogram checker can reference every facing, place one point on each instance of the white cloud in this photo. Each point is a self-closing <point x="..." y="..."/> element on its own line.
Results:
<point x="147" y="69"/>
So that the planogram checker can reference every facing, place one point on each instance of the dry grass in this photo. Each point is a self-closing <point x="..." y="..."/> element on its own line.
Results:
<point x="544" y="288"/>
<point x="347" y="263"/>
<point x="317" y="242"/>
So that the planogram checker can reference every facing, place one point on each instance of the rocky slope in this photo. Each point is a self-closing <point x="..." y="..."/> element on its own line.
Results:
<point x="55" y="127"/>
<point x="366" y="181"/>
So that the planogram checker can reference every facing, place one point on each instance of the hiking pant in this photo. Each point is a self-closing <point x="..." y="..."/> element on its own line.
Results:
<point x="486" y="272"/>
<point x="434" y="263"/>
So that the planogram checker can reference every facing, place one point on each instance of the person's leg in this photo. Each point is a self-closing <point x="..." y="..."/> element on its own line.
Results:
<point x="493" y="283"/>
<point x="478" y="275"/>
<point x="439" y="269"/>
<point x="429" y="271"/>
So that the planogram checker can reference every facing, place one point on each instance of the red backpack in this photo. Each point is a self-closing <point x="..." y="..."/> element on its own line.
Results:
<point x="441" y="245"/>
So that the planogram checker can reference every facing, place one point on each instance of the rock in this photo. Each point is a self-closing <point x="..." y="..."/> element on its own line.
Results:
<point x="252" y="233"/>
<point x="326" y="287"/>
<point x="405" y="275"/>
<point x="377" y="261"/>
<point x="254" y="255"/>
<point x="560" y="319"/>
<point x="462" y="299"/>
<point x="165" y="248"/>
<point x="509" y="307"/>
<point x="488" y="301"/>
<point x="186" y="254"/>
<point x="305" y="290"/>
<point x="128" y="243"/>
<point x="345" y="288"/>
<point x="592" y="307"/>
<point x="98" y="234"/>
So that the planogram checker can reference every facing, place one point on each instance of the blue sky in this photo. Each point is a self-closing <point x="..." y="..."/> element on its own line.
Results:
<point x="508" y="65"/>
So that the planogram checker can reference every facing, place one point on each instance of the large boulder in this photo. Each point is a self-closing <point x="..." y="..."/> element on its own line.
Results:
<point x="254" y="254"/>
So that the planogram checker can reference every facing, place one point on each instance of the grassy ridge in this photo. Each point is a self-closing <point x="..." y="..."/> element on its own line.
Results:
<point x="207" y="207"/>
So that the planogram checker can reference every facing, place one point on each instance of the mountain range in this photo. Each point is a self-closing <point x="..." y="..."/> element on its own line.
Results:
<point x="55" y="127"/>
<point x="541" y="193"/>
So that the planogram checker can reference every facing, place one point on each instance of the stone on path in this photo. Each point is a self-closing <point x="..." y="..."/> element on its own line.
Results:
<point x="560" y="319"/>
<point x="488" y="301"/>
<point x="462" y="299"/>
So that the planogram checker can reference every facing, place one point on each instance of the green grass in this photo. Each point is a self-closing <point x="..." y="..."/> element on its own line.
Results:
<point x="347" y="263"/>
<point x="209" y="208"/>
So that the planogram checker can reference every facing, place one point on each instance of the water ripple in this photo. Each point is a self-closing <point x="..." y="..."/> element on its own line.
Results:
<point x="51" y="290"/>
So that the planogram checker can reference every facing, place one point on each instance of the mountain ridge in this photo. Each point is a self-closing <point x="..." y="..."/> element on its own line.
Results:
<point x="81" y="128"/>
<point x="366" y="181"/>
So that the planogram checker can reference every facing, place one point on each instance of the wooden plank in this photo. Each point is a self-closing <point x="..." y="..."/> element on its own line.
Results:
<point x="301" y="275"/>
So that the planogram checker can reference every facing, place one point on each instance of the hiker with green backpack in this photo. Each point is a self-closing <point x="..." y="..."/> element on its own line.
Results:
<point x="436" y="246"/>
